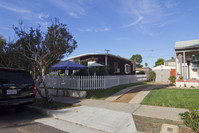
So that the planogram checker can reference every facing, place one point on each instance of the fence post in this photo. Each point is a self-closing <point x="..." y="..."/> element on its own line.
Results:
<point x="104" y="80"/>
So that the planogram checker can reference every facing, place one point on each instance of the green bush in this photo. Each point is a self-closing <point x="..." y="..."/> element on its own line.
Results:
<point x="59" y="72"/>
<point x="62" y="75"/>
<point x="191" y="119"/>
<point x="151" y="76"/>
<point x="172" y="79"/>
<point x="52" y="74"/>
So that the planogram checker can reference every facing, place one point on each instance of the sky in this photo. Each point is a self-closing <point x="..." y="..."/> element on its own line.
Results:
<point x="125" y="27"/>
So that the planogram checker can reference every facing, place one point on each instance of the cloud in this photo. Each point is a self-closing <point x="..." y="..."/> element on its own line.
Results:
<point x="73" y="14"/>
<point x="74" y="9"/>
<point x="140" y="18"/>
<point x="150" y="10"/>
<point x="95" y="29"/>
<point x="147" y="15"/>
<point x="170" y="4"/>
<point x="14" y="9"/>
<point x="42" y="16"/>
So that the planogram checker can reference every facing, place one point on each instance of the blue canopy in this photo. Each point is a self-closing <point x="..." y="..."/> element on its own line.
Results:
<point x="69" y="65"/>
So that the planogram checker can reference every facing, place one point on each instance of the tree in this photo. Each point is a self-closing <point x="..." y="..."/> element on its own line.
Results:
<point x="160" y="61"/>
<point x="146" y="64"/>
<point x="43" y="50"/>
<point x="2" y="51"/>
<point x="151" y="76"/>
<point x="138" y="59"/>
<point x="8" y="56"/>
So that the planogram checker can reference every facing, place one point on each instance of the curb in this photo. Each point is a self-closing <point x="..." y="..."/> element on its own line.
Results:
<point x="40" y="110"/>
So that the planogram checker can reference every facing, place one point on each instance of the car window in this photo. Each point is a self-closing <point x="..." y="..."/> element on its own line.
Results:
<point x="17" y="77"/>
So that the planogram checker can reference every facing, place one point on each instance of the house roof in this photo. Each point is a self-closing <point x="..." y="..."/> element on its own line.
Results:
<point x="160" y="67"/>
<point x="187" y="44"/>
<point x="98" y="54"/>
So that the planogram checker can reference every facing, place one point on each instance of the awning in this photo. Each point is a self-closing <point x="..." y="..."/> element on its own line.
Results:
<point x="94" y="65"/>
<point x="69" y="65"/>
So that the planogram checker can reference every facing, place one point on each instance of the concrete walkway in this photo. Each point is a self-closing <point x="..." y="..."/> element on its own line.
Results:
<point x="115" y="106"/>
<point x="122" y="92"/>
<point x="88" y="119"/>
<point x="98" y="118"/>
<point x="160" y="112"/>
<point x="135" y="109"/>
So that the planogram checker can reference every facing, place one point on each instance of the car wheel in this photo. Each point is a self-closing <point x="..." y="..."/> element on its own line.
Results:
<point x="19" y="108"/>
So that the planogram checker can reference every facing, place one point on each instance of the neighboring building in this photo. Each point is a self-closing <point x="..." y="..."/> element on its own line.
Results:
<point x="146" y="70"/>
<point x="118" y="65"/>
<point x="187" y="63"/>
<point x="163" y="72"/>
<point x="171" y="62"/>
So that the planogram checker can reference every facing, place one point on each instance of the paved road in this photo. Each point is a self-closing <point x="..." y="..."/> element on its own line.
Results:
<point x="23" y="122"/>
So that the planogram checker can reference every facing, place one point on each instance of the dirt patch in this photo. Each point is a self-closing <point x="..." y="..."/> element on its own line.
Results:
<point x="153" y="125"/>
<point x="131" y="94"/>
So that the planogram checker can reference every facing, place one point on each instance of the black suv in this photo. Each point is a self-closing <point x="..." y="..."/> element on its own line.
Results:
<point x="17" y="88"/>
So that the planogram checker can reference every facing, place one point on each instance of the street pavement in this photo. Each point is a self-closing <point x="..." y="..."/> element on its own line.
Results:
<point x="23" y="122"/>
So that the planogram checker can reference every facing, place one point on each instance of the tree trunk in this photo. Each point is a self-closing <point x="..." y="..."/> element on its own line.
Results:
<point x="47" y="98"/>
<point x="38" y="89"/>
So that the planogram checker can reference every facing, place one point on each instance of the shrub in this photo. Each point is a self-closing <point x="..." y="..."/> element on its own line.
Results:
<point x="62" y="75"/>
<point x="58" y="72"/>
<point x="191" y="119"/>
<point x="172" y="79"/>
<point x="52" y="74"/>
<point x="151" y="75"/>
<point x="185" y="85"/>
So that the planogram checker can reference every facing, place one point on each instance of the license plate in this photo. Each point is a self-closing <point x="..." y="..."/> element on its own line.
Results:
<point x="11" y="92"/>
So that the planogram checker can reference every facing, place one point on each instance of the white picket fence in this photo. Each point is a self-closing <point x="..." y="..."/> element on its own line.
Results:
<point x="92" y="82"/>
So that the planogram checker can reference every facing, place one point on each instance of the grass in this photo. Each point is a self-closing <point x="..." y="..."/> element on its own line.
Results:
<point x="179" y="98"/>
<point x="54" y="105"/>
<point x="103" y="94"/>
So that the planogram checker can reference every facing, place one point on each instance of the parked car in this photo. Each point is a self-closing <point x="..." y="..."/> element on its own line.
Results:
<point x="17" y="88"/>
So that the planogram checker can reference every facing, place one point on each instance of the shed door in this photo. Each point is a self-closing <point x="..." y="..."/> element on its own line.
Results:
<point x="162" y="75"/>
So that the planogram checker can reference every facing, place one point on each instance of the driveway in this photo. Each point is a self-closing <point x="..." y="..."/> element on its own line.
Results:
<point x="23" y="122"/>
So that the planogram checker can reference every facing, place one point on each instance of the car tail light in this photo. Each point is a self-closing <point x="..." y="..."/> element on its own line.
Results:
<point x="34" y="91"/>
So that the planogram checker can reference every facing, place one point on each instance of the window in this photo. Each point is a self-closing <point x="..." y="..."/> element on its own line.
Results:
<point x="116" y="69"/>
<point x="17" y="77"/>
<point x="195" y="61"/>
<point x="127" y="68"/>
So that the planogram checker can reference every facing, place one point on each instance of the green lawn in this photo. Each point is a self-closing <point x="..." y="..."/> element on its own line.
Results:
<point x="180" y="98"/>
<point x="103" y="94"/>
